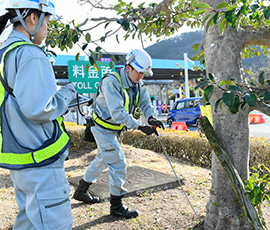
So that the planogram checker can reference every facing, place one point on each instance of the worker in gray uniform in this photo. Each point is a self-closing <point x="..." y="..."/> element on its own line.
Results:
<point x="118" y="95"/>
<point x="33" y="140"/>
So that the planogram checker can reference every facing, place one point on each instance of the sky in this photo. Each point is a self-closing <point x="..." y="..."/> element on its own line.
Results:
<point x="70" y="9"/>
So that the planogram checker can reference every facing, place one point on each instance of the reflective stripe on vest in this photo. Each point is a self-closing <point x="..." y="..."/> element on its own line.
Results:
<point x="39" y="155"/>
<point x="34" y="157"/>
<point x="106" y="124"/>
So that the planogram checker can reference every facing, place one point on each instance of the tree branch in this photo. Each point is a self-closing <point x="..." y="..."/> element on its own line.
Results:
<point x="96" y="4"/>
<point x="260" y="37"/>
<point x="145" y="12"/>
<point x="262" y="107"/>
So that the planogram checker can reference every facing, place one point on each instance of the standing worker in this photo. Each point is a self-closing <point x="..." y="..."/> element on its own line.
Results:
<point x="118" y="95"/>
<point x="33" y="141"/>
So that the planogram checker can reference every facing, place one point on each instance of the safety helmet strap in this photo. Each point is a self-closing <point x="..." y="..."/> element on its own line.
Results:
<point x="20" y="18"/>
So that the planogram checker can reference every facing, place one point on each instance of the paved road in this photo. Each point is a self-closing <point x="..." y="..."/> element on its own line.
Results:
<point x="261" y="130"/>
<point x="256" y="130"/>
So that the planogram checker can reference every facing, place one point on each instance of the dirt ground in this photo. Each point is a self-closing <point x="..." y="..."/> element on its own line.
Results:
<point x="160" y="210"/>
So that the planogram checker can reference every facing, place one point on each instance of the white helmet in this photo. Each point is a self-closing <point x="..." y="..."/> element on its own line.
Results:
<point x="140" y="60"/>
<point x="44" y="6"/>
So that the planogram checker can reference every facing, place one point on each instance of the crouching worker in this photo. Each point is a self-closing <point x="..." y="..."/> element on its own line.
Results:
<point x="33" y="141"/>
<point x="118" y="95"/>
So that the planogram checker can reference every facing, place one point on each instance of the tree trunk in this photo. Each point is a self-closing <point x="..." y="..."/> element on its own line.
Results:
<point x="222" y="56"/>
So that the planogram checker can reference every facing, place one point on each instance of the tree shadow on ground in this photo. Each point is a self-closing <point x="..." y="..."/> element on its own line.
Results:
<point x="102" y="219"/>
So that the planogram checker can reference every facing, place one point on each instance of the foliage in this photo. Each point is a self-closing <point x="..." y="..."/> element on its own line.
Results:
<point x="244" y="15"/>
<point x="151" y="20"/>
<point x="193" y="93"/>
<point x="235" y="96"/>
<point x="259" y="151"/>
<point x="258" y="187"/>
<point x="239" y="14"/>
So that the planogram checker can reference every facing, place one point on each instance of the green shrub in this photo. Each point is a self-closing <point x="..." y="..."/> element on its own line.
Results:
<point x="182" y="144"/>
<point x="76" y="133"/>
<point x="259" y="151"/>
<point x="258" y="188"/>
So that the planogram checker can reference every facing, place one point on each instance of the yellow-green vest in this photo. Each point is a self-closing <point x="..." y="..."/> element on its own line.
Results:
<point x="25" y="157"/>
<point x="117" y="127"/>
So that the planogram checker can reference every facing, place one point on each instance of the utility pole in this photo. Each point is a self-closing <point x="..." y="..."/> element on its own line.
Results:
<point x="186" y="59"/>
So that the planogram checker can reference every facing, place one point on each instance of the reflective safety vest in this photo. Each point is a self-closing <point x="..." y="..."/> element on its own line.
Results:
<point x="12" y="154"/>
<point x="117" y="127"/>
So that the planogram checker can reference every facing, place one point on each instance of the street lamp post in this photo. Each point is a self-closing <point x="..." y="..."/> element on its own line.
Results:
<point x="186" y="59"/>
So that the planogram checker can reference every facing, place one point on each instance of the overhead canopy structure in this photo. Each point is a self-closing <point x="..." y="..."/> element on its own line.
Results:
<point x="163" y="69"/>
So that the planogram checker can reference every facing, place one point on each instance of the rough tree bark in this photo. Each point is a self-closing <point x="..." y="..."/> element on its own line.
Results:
<point x="223" y="59"/>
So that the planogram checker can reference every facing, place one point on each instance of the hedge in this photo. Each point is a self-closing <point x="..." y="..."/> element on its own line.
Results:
<point x="188" y="146"/>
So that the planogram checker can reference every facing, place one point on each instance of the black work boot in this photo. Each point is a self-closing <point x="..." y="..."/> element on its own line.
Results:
<point x="81" y="193"/>
<point x="119" y="210"/>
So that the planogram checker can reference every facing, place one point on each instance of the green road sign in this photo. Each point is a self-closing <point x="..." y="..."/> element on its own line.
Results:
<point x="87" y="82"/>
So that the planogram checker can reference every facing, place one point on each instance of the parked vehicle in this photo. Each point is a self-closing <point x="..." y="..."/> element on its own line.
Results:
<point x="185" y="110"/>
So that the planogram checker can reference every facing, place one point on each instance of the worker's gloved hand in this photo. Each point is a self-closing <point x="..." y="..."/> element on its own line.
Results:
<point x="147" y="129"/>
<point x="71" y="87"/>
<point x="153" y="121"/>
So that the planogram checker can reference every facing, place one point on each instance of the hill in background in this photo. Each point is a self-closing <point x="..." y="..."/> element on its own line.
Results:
<point x="175" y="47"/>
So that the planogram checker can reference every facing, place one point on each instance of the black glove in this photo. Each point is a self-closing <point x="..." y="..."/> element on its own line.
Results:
<point x="147" y="129"/>
<point x="153" y="121"/>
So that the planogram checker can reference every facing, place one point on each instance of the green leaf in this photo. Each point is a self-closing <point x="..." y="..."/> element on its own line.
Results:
<point x="208" y="92"/>
<point x="84" y="46"/>
<point x="222" y="24"/>
<point x="200" y="11"/>
<point x="210" y="21"/>
<point x="211" y="77"/>
<point x="88" y="37"/>
<point x="228" y="97"/>
<point x="202" y="5"/>
<point x="234" y="88"/>
<point x="254" y="7"/>
<point x="215" y="18"/>
<point x="261" y="78"/>
<point x="251" y="99"/>
<point x="250" y="185"/>
<point x="106" y="25"/>
<point x="222" y="5"/>
<point x="232" y="7"/>
<point x="218" y="102"/>
<point x="77" y="56"/>
<point x="227" y="82"/>
<point x="111" y="64"/>
<point x="87" y="67"/>
<point x="99" y="55"/>
<point x="75" y="38"/>
<point x="125" y="25"/>
<point x="91" y="60"/>
<point x="205" y="18"/>
<point x="201" y="84"/>
<point x="266" y="13"/>
<point x="117" y="39"/>
<point x="98" y="48"/>
<point x="229" y="16"/>
<point x="234" y="108"/>
<point x="267" y="96"/>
